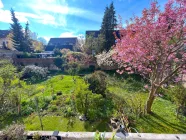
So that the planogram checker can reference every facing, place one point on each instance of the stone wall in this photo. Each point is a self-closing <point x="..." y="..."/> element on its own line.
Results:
<point x="42" y="62"/>
<point x="108" y="135"/>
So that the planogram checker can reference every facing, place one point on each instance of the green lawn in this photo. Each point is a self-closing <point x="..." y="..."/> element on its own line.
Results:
<point x="163" y="119"/>
<point x="65" y="124"/>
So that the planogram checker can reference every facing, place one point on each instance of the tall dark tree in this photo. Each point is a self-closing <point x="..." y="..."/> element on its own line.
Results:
<point x="16" y="29"/>
<point x="108" y="24"/>
<point x="27" y="40"/>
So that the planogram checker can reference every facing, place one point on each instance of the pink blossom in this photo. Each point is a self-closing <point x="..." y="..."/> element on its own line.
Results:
<point x="149" y="45"/>
<point x="146" y="86"/>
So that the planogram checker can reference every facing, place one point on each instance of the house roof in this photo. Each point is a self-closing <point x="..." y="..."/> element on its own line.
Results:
<point x="95" y="33"/>
<point x="62" y="41"/>
<point x="4" y="33"/>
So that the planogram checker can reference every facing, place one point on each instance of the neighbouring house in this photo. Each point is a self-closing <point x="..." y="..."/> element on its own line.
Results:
<point x="6" y="48"/>
<point x="62" y="43"/>
<point x="96" y="33"/>
<point x="4" y="39"/>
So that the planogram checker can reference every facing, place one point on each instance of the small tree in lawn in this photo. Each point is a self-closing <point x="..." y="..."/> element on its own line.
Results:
<point x="154" y="45"/>
<point x="36" y="99"/>
<point x="179" y="98"/>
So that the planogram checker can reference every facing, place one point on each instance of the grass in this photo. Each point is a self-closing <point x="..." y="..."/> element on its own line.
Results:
<point x="163" y="119"/>
<point x="65" y="124"/>
<point x="59" y="83"/>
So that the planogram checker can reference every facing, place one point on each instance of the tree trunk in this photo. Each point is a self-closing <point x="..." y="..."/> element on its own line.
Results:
<point x="41" y="123"/>
<point x="150" y="100"/>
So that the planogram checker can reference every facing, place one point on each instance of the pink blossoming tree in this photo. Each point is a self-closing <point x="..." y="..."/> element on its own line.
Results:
<point x="154" y="45"/>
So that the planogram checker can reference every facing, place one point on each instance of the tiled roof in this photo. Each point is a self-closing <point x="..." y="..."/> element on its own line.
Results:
<point x="4" y="33"/>
<point x="95" y="33"/>
<point x="63" y="41"/>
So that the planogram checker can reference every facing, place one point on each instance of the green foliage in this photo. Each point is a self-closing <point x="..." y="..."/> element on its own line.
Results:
<point x="58" y="61"/>
<point x="27" y="55"/>
<point x="57" y="52"/>
<point x="17" y="32"/>
<point x="72" y="68"/>
<point x="107" y="28"/>
<point x="94" y="44"/>
<point x="27" y="40"/>
<point x="9" y="85"/>
<point x="35" y="72"/>
<point x="178" y="95"/>
<point x="91" y="105"/>
<point x="14" y="132"/>
<point x="82" y="97"/>
<point x="97" y="82"/>
<point x="52" y="108"/>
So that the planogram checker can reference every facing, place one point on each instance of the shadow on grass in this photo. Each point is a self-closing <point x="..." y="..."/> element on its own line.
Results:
<point x="9" y="119"/>
<point x="101" y="125"/>
<point x="160" y="123"/>
<point x="175" y="126"/>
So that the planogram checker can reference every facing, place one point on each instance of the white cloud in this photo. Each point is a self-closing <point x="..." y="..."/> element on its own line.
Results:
<point x="1" y="4"/>
<point x="47" y="38"/>
<point x="63" y="9"/>
<point x="50" y="12"/>
<point x="67" y="34"/>
<point x="7" y="16"/>
<point x="24" y="17"/>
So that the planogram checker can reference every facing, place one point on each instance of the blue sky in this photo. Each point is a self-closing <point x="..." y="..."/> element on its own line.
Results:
<point x="66" y="18"/>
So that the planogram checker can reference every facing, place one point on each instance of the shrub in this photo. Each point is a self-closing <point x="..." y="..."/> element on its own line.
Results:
<point x="46" y="102"/>
<point x="35" y="72"/>
<point x="97" y="82"/>
<point x="27" y="55"/>
<point x="27" y="110"/>
<point x="58" y="62"/>
<point x="178" y="95"/>
<point x="91" y="105"/>
<point x="54" y="97"/>
<point x="14" y="132"/>
<point x="52" y="108"/>
<point x="57" y="52"/>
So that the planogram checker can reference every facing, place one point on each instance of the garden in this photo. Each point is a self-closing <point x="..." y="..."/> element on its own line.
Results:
<point x="138" y="82"/>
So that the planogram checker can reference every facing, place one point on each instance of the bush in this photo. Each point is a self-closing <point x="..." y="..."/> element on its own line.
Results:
<point x="27" y="55"/>
<point x="58" y="62"/>
<point x="14" y="132"/>
<point x="97" y="82"/>
<point x="91" y="105"/>
<point x="27" y="110"/>
<point x="54" y="97"/>
<point x="178" y="95"/>
<point x="35" y="72"/>
<point x="46" y="102"/>
<point x="52" y="108"/>
<point x="57" y="52"/>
